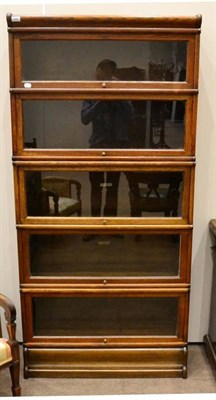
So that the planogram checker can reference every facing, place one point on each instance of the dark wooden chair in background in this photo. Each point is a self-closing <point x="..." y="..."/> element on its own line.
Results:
<point x="160" y="71"/>
<point x="154" y="192"/>
<point x="9" y="348"/>
<point x="51" y="195"/>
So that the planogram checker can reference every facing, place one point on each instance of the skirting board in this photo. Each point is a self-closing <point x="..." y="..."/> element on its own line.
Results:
<point x="210" y="351"/>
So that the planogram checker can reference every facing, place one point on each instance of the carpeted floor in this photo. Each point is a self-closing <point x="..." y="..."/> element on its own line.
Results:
<point x="200" y="380"/>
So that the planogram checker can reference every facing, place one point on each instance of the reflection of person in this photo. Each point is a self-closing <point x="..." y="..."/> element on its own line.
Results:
<point x="110" y="130"/>
<point x="105" y="70"/>
<point x="110" y="122"/>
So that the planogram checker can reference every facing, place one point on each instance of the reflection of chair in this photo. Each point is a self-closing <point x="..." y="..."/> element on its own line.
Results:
<point x="63" y="204"/>
<point x="51" y="195"/>
<point x="154" y="192"/>
<point x="159" y="71"/>
<point x="9" y="349"/>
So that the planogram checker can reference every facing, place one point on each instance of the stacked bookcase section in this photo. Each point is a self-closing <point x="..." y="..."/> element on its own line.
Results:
<point x="103" y="123"/>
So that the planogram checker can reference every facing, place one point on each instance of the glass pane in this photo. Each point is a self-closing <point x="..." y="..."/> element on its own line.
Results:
<point x="88" y="60"/>
<point x="98" y="193"/>
<point x="104" y="255"/>
<point x="87" y="316"/>
<point x="118" y="124"/>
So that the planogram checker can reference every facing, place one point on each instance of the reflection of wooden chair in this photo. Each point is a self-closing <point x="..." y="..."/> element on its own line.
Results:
<point x="9" y="349"/>
<point x="159" y="71"/>
<point x="154" y="192"/>
<point x="64" y="204"/>
<point x="51" y="195"/>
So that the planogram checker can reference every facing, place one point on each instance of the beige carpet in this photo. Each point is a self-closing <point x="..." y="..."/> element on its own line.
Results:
<point x="200" y="380"/>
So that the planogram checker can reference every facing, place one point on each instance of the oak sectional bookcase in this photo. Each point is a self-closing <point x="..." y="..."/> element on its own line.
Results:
<point x="103" y="123"/>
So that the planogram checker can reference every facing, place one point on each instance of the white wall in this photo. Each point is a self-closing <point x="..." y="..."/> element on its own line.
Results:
<point x="205" y="188"/>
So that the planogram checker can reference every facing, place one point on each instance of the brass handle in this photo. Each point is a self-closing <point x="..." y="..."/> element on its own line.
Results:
<point x="104" y="84"/>
<point x="103" y="153"/>
<point x="104" y="281"/>
<point x="105" y="340"/>
<point x="104" y="222"/>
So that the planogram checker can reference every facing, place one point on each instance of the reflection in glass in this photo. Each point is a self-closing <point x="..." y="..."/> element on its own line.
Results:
<point x="77" y="60"/>
<point x="154" y="192"/>
<point x="104" y="255"/>
<point x="100" y="193"/>
<point x="111" y="122"/>
<point x="87" y="316"/>
<point x="114" y="124"/>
